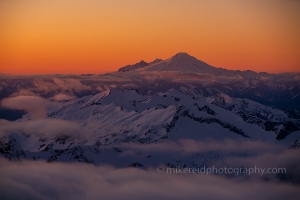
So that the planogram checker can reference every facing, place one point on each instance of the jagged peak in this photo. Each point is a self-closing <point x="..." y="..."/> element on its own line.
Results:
<point x="138" y="65"/>
<point x="142" y="61"/>
<point x="157" y="60"/>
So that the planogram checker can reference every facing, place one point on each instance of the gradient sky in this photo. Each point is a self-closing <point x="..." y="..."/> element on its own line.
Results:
<point x="95" y="36"/>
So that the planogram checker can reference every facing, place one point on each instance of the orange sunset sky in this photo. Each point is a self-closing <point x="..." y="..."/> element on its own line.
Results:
<point x="96" y="36"/>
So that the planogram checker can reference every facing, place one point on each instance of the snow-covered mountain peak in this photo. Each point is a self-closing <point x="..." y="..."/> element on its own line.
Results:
<point x="183" y="67"/>
<point x="181" y="62"/>
<point x="183" y="55"/>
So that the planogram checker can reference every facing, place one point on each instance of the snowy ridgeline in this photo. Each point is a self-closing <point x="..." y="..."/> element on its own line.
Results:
<point x="125" y="128"/>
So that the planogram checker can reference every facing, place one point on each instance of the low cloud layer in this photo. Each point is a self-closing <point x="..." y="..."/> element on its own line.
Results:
<point x="40" y="180"/>
<point x="49" y="86"/>
<point x="35" y="106"/>
<point x="63" y="97"/>
<point x="186" y="146"/>
<point x="43" y="128"/>
<point x="70" y="84"/>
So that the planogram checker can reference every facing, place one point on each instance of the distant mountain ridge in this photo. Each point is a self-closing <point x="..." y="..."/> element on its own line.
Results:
<point x="180" y="62"/>
<point x="183" y="63"/>
<point x="138" y="65"/>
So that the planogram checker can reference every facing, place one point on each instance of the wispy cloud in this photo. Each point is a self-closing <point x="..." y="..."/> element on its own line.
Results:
<point x="40" y="180"/>
<point x="35" y="106"/>
<point x="43" y="128"/>
<point x="186" y="146"/>
<point x="63" y="97"/>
